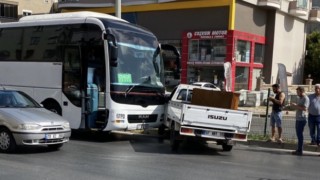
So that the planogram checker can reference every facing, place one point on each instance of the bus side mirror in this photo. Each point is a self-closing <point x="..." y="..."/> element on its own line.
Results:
<point x="113" y="49"/>
<point x="171" y="50"/>
<point x="113" y="52"/>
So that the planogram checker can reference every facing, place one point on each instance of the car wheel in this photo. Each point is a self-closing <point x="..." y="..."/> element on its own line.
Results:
<point x="55" y="146"/>
<point x="7" y="142"/>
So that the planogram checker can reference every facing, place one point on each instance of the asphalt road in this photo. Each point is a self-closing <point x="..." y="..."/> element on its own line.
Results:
<point x="127" y="157"/>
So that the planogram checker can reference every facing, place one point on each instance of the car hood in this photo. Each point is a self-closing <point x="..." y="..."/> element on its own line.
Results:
<point x="39" y="116"/>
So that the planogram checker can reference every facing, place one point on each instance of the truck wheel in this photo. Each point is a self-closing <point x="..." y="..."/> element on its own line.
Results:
<point x="226" y="147"/>
<point x="161" y="133"/>
<point x="161" y="130"/>
<point x="174" y="143"/>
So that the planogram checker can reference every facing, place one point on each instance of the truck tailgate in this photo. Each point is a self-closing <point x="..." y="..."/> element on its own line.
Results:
<point x="203" y="116"/>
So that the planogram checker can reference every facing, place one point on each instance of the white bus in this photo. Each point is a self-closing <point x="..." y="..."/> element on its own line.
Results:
<point x="97" y="71"/>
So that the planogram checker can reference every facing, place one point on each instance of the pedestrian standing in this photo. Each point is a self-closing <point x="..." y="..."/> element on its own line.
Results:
<point x="314" y="116"/>
<point x="301" y="117"/>
<point x="276" y="114"/>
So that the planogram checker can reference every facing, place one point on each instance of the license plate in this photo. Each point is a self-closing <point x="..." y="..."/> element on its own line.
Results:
<point x="209" y="133"/>
<point x="53" y="136"/>
<point x="142" y="126"/>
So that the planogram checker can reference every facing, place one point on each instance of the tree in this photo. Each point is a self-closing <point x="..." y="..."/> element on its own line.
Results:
<point x="312" y="61"/>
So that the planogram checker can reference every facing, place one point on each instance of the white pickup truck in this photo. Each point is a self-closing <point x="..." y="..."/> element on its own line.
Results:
<point x="225" y="126"/>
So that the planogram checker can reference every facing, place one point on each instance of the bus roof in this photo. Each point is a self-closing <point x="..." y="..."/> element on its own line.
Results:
<point x="77" y="15"/>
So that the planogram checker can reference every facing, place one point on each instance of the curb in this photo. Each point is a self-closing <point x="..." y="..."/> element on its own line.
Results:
<point x="275" y="145"/>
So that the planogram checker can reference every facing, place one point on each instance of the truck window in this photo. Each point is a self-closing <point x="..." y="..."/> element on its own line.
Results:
<point x="185" y="95"/>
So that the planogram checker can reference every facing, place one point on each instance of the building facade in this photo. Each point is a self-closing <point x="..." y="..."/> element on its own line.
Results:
<point x="222" y="41"/>
<point x="12" y="10"/>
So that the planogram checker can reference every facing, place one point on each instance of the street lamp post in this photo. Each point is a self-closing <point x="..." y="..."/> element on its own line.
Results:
<point x="118" y="8"/>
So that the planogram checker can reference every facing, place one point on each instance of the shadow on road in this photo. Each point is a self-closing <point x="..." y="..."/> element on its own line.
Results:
<point x="146" y="143"/>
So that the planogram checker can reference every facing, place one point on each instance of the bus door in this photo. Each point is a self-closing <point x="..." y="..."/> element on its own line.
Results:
<point x="95" y="87"/>
<point x="72" y="79"/>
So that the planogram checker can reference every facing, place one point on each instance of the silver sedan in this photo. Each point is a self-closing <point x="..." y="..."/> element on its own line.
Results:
<point x="24" y="122"/>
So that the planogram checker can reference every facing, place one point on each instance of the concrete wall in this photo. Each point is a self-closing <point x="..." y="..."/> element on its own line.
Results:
<point x="289" y="46"/>
<point x="35" y="6"/>
<point x="250" y="19"/>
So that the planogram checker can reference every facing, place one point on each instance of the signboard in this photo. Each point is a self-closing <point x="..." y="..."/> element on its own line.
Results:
<point x="221" y="34"/>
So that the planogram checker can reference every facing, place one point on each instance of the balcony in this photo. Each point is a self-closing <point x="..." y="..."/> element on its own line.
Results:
<point x="270" y="3"/>
<point x="314" y="15"/>
<point x="298" y="8"/>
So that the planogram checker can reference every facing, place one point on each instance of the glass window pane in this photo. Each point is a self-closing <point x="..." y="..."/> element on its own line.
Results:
<point x="242" y="77"/>
<point x="218" y="53"/>
<point x="207" y="50"/>
<point x="2" y="10"/>
<point x="242" y="51"/>
<point x="193" y="50"/>
<point x="10" y="51"/>
<point x="257" y="73"/>
<point x="259" y="53"/>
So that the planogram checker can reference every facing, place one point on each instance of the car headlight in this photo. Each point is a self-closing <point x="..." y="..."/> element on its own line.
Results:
<point x="29" y="127"/>
<point x="66" y="125"/>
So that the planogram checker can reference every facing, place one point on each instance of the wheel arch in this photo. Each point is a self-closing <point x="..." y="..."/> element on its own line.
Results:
<point x="51" y="104"/>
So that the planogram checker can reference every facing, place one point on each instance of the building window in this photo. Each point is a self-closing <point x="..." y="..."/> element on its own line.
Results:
<point x="207" y="50"/>
<point x="303" y="4"/>
<point x="241" y="78"/>
<point x="242" y="51"/>
<point x="9" y="11"/>
<point x="259" y="53"/>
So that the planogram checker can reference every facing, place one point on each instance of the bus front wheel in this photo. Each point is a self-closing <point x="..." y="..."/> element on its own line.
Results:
<point x="53" y="106"/>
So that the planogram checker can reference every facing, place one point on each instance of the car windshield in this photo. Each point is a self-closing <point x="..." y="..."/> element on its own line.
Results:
<point x="16" y="99"/>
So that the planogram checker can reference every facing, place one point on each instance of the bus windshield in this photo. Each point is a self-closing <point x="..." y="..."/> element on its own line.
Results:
<point x="138" y="77"/>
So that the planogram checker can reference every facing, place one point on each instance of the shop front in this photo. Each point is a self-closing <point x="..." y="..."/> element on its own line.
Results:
<point x="206" y="53"/>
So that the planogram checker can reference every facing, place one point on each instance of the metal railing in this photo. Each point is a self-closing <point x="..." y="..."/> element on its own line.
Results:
<point x="288" y="127"/>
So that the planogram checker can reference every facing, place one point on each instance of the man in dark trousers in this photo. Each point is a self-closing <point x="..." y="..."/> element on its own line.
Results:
<point x="314" y="116"/>
<point x="276" y="114"/>
<point x="301" y="107"/>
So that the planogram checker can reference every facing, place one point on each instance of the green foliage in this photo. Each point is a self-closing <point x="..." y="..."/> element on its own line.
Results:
<point x="312" y="61"/>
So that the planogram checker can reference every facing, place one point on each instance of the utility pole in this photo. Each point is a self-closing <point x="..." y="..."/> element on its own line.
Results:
<point x="118" y="8"/>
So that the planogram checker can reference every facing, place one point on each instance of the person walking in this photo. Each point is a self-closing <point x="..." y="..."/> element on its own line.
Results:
<point x="314" y="116"/>
<point x="301" y="117"/>
<point x="276" y="114"/>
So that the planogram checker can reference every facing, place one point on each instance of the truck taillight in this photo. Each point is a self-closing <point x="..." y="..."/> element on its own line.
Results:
<point x="186" y="130"/>
<point x="240" y="136"/>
